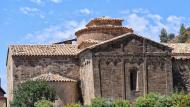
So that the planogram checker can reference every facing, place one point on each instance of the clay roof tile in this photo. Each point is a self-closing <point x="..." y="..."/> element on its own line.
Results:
<point x="44" y="50"/>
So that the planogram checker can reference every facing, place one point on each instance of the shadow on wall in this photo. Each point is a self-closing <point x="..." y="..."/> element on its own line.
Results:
<point x="180" y="74"/>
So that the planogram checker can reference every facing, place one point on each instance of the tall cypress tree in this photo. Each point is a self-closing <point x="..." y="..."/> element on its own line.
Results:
<point x="163" y="36"/>
<point x="182" y="29"/>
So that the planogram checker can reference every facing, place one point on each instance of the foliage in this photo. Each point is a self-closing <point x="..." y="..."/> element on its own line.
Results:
<point x="43" y="103"/>
<point x="156" y="100"/>
<point x="182" y="29"/>
<point x="164" y="101"/>
<point x="183" y="38"/>
<point x="102" y="102"/>
<point x="30" y="92"/>
<point x="122" y="103"/>
<point x="73" y="105"/>
<point x="163" y="36"/>
<point x="149" y="100"/>
<point x="180" y="100"/>
<point x="97" y="102"/>
<point x="141" y="102"/>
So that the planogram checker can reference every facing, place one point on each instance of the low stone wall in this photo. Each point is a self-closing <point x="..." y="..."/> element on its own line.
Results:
<point x="3" y="102"/>
<point x="66" y="92"/>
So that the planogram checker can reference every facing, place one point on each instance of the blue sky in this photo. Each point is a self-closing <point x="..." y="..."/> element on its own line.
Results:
<point x="47" y="21"/>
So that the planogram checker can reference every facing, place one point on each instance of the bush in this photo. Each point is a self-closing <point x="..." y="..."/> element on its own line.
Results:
<point x="108" y="103"/>
<point x="43" y="103"/>
<point x="164" y="101"/>
<point x="149" y="100"/>
<point x="122" y="103"/>
<point x="141" y="102"/>
<point x="180" y="100"/>
<point x="30" y="92"/>
<point x="102" y="102"/>
<point x="73" y="105"/>
<point x="97" y="102"/>
<point x="156" y="100"/>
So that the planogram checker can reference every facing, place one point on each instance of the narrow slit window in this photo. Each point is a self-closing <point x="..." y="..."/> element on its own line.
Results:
<point x="133" y="80"/>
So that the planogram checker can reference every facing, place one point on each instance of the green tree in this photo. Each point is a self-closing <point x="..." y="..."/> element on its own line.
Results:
<point x="163" y="36"/>
<point x="30" y="92"/>
<point x="182" y="29"/>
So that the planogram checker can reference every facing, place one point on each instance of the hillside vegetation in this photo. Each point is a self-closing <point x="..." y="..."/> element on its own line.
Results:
<point x="183" y="37"/>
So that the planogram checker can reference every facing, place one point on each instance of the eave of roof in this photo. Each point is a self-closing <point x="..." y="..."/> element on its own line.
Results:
<point x="180" y="50"/>
<point x="87" y="29"/>
<point x="2" y="90"/>
<point x="44" y="50"/>
<point x="53" y="78"/>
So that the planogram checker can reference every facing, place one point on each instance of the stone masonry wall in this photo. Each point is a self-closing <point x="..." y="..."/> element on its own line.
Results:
<point x="159" y="75"/>
<point x="93" y="36"/>
<point x="25" y="68"/>
<point x="10" y="66"/>
<point x="181" y="74"/>
<point x="66" y="92"/>
<point x="3" y="102"/>
<point x="86" y="77"/>
<point x="113" y="63"/>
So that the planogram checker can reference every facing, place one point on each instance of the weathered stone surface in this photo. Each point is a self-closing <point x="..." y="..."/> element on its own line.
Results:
<point x="25" y="68"/>
<point x="113" y="63"/>
<point x="181" y="74"/>
<point x="118" y="67"/>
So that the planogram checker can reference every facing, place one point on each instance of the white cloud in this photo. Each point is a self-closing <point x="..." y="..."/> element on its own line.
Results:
<point x="43" y="1"/>
<point x="85" y="11"/>
<point x="56" y="1"/>
<point x="28" y="10"/>
<point x="55" y="33"/>
<point x="137" y="22"/>
<point x="36" y="1"/>
<point x="31" y="11"/>
<point x="148" y="24"/>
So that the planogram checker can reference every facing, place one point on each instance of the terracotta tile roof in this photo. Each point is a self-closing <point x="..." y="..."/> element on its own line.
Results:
<point x="53" y="78"/>
<point x="180" y="50"/>
<point x="44" y="50"/>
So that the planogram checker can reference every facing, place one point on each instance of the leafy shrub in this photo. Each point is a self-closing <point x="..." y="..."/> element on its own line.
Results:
<point x="97" y="102"/>
<point x="102" y="102"/>
<point x="164" y="101"/>
<point x="156" y="100"/>
<point x="141" y="102"/>
<point x="149" y="100"/>
<point x="108" y="103"/>
<point x="73" y="105"/>
<point x="43" y="103"/>
<point x="30" y="92"/>
<point x="180" y="100"/>
<point x="122" y="103"/>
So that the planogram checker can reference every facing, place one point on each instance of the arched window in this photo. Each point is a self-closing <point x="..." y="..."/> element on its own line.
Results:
<point x="133" y="80"/>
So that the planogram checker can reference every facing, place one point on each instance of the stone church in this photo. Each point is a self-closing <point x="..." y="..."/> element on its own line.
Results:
<point x="106" y="60"/>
